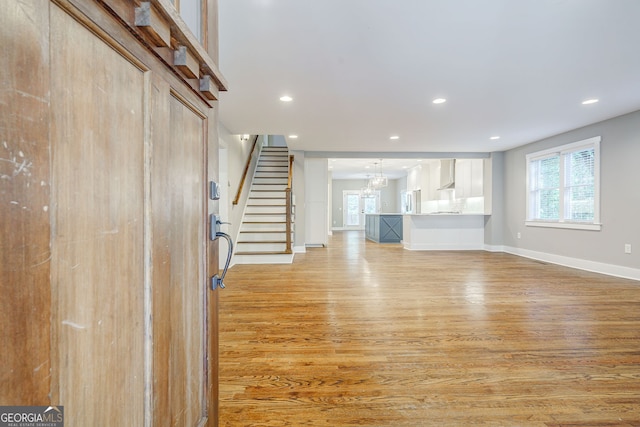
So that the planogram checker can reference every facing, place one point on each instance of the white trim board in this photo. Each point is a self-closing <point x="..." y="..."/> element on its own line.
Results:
<point x="580" y="264"/>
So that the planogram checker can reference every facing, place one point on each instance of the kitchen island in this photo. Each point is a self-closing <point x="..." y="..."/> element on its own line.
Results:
<point x="443" y="231"/>
<point x="383" y="228"/>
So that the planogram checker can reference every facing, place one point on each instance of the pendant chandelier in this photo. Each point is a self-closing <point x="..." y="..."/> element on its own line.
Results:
<point x="379" y="180"/>
<point x="367" y="190"/>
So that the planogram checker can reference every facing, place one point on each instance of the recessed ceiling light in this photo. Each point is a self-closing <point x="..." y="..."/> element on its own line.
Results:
<point x="394" y="137"/>
<point x="405" y="167"/>
<point x="495" y="137"/>
<point x="439" y="101"/>
<point x="286" y="98"/>
<point x="590" y="101"/>
<point x="293" y="136"/>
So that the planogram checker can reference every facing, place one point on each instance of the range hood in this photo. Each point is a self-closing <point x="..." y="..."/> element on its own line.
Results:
<point x="447" y="174"/>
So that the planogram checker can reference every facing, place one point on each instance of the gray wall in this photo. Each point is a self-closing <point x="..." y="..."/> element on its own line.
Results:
<point x="619" y="197"/>
<point x="494" y="224"/>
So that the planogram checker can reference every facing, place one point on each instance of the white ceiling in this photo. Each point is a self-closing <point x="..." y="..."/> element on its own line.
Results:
<point x="367" y="168"/>
<point x="360" y="71"/>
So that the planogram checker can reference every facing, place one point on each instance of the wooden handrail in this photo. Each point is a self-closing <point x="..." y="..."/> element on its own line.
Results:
<point x="246" y="171"/>
<point x="290" y="172"/>
<point x="289" y="206"/>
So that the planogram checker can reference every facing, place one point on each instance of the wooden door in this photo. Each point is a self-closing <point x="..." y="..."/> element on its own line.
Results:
<point x="180" y="307"/>
<point x="25" y="296"/>
<point x="130" y="237"/>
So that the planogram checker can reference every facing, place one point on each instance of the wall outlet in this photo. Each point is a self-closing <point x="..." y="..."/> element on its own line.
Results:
<point x="519" y="235"/>
<point x="627" y="248"/>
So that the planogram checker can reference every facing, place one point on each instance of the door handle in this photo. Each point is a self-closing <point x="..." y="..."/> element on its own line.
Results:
<point x="215" y="233"/>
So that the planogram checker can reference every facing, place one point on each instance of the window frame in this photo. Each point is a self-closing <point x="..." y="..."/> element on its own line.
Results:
<point x="202" y="35"/>
<point x="562" y="151"/>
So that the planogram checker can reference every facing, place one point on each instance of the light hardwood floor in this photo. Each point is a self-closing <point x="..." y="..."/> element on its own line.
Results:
<point x="360" y="333"/>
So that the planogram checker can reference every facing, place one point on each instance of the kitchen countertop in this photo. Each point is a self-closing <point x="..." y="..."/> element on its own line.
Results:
<point x="433" y="214"/>
<point x="445" y="214"/>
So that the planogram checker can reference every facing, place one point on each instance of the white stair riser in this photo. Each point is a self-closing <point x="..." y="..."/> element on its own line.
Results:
<point x="266" y="202"/>
<point x="271" y="175"/>
<point x="273" y="161"/>
<point x="269" y="187"/>
<point x="263" y="237"/>
<point x="275" y="227"/>
<point x="264" y="218"/>
<point x="263" y="194"/>
<point x="261" y="247"/>
<point x="279" y="169"/>
<point x="266" y="209"/>
<point x="280" y="181"/>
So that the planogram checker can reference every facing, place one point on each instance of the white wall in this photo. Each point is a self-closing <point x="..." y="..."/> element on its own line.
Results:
<point x="316" y="172"/>
<point x="233" y="156"/>
<point x="298" y="191"/>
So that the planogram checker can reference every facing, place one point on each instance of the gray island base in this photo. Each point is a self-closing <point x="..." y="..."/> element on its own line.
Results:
<point x="383" y="228"/>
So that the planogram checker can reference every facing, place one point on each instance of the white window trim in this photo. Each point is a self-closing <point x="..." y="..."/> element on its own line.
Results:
<point x="595" y="225"/>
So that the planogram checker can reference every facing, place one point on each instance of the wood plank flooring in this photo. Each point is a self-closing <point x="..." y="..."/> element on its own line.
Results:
<point x="364" y="334"/>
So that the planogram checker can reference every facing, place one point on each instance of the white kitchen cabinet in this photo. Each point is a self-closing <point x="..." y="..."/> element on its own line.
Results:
<point x="434" y="180"/>
<point x="414" y="178"/>
<point x="477" y="177"/>
<point x="469" y="178"/>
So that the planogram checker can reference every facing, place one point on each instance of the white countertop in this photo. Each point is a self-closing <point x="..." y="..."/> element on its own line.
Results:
<point x="430" y="214"/>
<point x="445" y="214"/>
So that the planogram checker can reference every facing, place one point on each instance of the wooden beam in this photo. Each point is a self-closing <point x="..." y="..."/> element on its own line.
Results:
<point x="186" y="62"/>
<point x="148" y="19"/>
<point x="209" y="88"/>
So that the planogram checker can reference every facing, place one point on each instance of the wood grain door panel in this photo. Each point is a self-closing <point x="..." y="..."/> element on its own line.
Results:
<point x="97" y="278"/>
<point x="179" y="290"/>
<point x="25" y="299"/>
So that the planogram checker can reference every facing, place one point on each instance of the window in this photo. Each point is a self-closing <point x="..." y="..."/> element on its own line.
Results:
<point x="193" y="12"/>
<point x="563" y="186"/>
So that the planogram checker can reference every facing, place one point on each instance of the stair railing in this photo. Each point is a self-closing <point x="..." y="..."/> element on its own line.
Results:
<point x="289" y="206"/>
<point x="246" y="171"/>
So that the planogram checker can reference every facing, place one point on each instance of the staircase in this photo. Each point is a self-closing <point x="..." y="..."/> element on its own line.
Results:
<point x="263" y="232"/>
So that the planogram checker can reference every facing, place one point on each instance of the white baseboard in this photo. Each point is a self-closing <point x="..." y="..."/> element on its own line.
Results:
<point x="494" y="248"/>
<point x="299" y="249"/>
<point x="441" y="246"/>
<point x="581" y="264"/>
